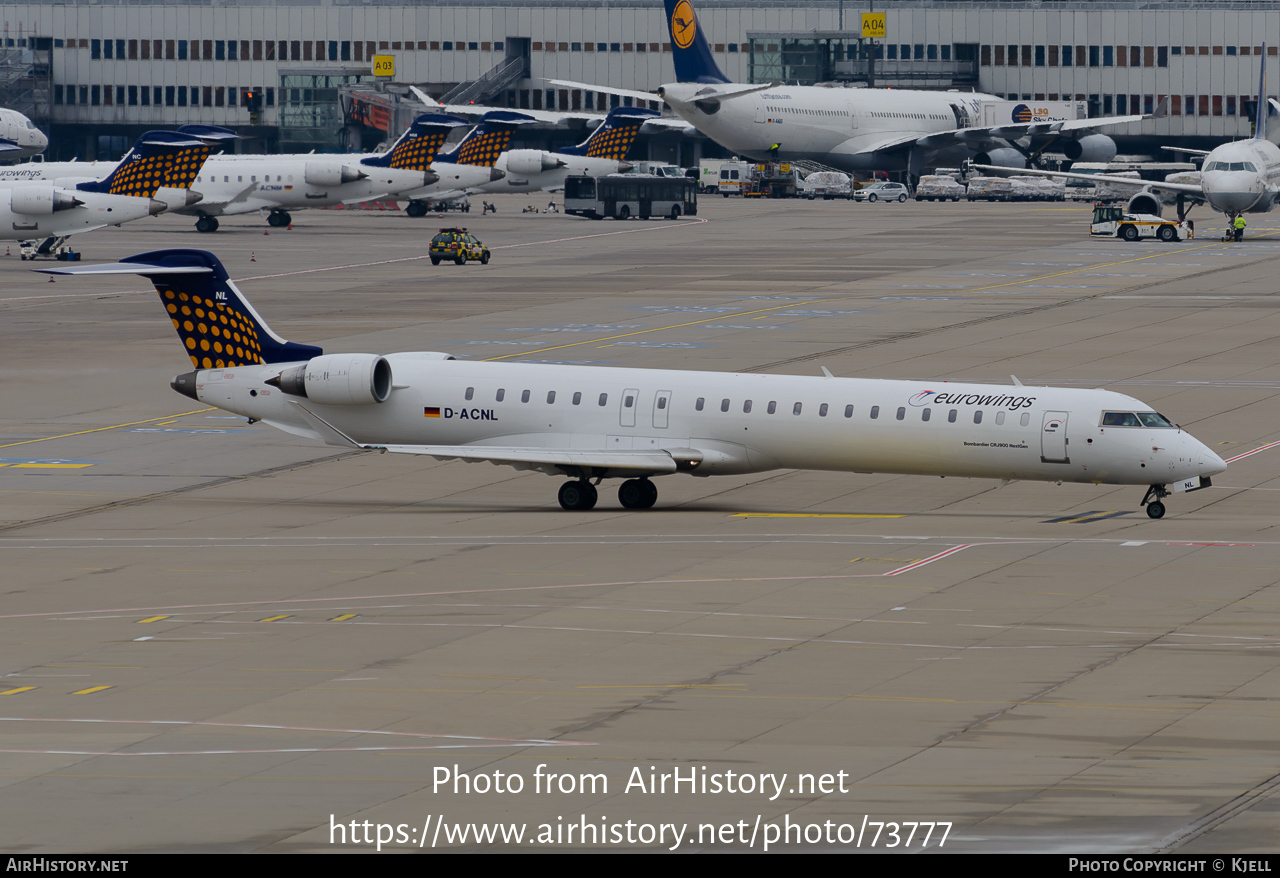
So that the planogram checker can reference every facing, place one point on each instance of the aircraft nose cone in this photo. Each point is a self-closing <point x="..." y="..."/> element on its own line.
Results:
<point x="495" y="175"/>
<point x="1211" y="464"/>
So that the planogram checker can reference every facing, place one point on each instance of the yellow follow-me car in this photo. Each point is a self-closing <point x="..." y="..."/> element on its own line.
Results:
<point x="457" y="245"/>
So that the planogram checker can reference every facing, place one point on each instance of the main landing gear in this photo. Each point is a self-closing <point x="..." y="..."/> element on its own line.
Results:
<point x="581" y="495"/>
<point x="279" y="219"/>
<point x="207" y="224"/>
<point x="1156" y="493"/>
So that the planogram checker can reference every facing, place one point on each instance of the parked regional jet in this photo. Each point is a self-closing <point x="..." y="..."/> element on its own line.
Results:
<point x="603" y="152"/>
<point x="471" y="163"/>
<point x="595" y="422"/>
<point x="855" y="129"/>
<point x="155" y="175"/>
<point x="1235" y="178"/>
<point x="19" y="137"/>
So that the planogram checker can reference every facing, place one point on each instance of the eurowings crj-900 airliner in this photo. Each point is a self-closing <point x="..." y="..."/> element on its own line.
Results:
<point x="865" y="129"/>
<point x="597" y="422"/>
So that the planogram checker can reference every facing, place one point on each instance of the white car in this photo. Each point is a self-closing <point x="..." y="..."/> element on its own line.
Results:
<point x="882" y="192"/>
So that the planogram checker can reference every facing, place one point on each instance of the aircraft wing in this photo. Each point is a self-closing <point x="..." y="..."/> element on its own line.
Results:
<point x="1009" y="133"/>
<point x="895" y="143"/>
<point x="609" y="90"/>
<point x="1193" y="189"/>
<point x="551" y="117"/>
<point x="647" y="460"/>
<point x="1184" y="149"/>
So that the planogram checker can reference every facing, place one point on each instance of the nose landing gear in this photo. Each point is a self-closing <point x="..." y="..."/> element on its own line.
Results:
<point x="1156" y="493"/>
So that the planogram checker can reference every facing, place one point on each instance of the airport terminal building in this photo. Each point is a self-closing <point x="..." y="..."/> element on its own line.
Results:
<point x="96" y="74"/>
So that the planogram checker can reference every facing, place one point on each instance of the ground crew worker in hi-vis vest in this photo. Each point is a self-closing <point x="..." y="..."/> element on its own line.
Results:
<point x="1238" y="225"/>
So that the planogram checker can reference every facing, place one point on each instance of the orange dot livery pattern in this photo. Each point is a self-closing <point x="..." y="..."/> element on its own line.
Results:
<point x="613" y="143"/>
<point x="416" y="152"/>
<point x="214" y="335"/>
<point x="143" y="175"/>
<point x="484" y="148"/>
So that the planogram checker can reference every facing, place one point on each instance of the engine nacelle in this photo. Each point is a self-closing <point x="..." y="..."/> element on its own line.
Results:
<point x="1145" y="202"/>
<point x="339" y="379"/>
<point x="527" y="162"/>
<point x="331" y="174"/>
<point x="1090" y="148"/>
<point x="1004" y="157"/>
<point x="40" y="200"/>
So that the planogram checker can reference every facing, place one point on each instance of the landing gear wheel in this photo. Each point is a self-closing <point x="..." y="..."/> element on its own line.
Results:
<point x="277" y="219"/>
<point x="1129" y="233"/>
<point x="206" y="224"/>
<point x="1155" y="509"/>
<point x="624" y="212"/>
<point x="578" y="495"/>
<point x="416" y="209"/>
<point x="637" y="494"/>
<point x="1167" y="234"/>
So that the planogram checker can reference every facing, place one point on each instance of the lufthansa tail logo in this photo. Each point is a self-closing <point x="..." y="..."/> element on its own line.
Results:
<point x="684" y="27"/>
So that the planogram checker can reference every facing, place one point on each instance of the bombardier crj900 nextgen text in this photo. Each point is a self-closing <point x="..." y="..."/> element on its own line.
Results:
<point x="595" y="422"/>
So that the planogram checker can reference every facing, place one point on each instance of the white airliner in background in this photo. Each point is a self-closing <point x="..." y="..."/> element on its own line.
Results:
<point x="471" y="163"/>
<point x="595" y="422"/>
<point x="866" y="129"/>
<point x="19" y="137"/>
<point x="154" y="175"/>
<point x="1235" y="178"/>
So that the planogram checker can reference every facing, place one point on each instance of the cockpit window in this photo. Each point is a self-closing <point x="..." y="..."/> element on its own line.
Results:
<point x="1153" y="419"/>
<point x="1120" y="419"/>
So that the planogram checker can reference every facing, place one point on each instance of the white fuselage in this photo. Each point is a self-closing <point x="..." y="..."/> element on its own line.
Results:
<point x="94" y="211"/>
<point x="231" y="184"/>
<point x="831" y="125"/>
<point x="18" y="128"/>
<point x="746" y="422"/>
<point x="455" y="180"/>
<point x="239" y="184"/>
<point x="516" y="180"/>
<point x="1253" y="187"/>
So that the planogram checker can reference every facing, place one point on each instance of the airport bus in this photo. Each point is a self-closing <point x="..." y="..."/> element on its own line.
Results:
<point x="623" y="196"/>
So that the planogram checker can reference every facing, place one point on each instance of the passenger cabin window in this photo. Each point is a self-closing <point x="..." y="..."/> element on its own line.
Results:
<point x="977" y="417"/>
<point x="502" y="393"/>
<point x="471" y="391"/>
<point x="773" y="406"/>
<point x="1025" y="419"/>
<point x="822" y="410"/>
<point x="902" y="412"/>
<point x="662" y="402"/>
<point x="628" y="401"/>
<point x="551" y="397"/>
<point x="951" y="416"/>
<point x="999" y="418"/>
<point x="724" y="405"/>
<point x="924" y="415"/>
<point x="604" y="398"/>
<point x="524" y="397"/>
<point x="699" y="404"/>
<point x="746" y="407"/>
<point x="848" y="411"/>
<point x="577" y="398"/>
<point x="795" y="409"/>
<point x="875" y="412"/>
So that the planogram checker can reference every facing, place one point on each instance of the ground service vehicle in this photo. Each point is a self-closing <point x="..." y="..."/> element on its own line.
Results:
<point x="623" y="196"/>
<point x="1114" y="222"/>
<point x="459" y="246"/>
<point x="939" y="187"/>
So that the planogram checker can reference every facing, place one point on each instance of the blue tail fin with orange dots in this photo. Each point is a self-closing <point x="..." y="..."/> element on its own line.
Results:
<point x="417" y="147"/>
<point x="159" y="158"/>
<point x="217" y="325"/>
<point x="615" y="135"/>
<point x="488" y="140"/>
